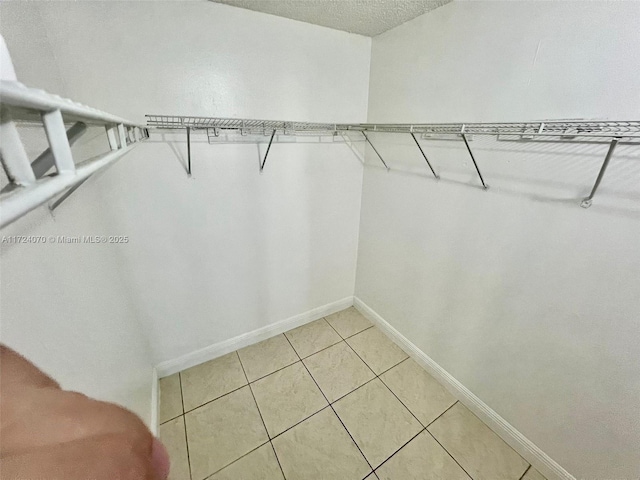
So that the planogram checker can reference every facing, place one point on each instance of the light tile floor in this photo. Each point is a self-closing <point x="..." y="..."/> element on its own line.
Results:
<point x="334" y="399"/>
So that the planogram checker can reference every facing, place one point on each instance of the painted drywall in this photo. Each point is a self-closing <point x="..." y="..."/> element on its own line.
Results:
<point x="227" y="250"/>
<point x="527" y="299"/>
<point x="65" y="306"/>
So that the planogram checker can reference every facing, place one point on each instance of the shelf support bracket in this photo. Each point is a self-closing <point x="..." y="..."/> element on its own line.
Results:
<point x="66" y="195"/>
<point x="425" y="157"/>
<point x="374" y="149"/>
<point x="273" y="134"/>
<point x="587" y="201"/>
<point x="464" y="138"/>
<point x="44" y="162"/>
<point x="189" y="151"/>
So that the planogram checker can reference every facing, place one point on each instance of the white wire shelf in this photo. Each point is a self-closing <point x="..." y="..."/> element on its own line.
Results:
<point x="613" y="132"/>
<point x="29" y="187"/>
<point x="551" y="128"/>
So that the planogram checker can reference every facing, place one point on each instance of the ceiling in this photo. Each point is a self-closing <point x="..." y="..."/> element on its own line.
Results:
<point x="365" y="17"/>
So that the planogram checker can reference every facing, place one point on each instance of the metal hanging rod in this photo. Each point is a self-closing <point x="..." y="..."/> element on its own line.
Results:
<point x="29" y="186"/>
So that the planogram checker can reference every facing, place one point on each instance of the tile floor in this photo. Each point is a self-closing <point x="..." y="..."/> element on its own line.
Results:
<point x="333" y="399"/>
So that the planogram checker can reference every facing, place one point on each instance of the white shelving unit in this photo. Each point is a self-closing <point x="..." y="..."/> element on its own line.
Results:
<point x="28" y="190"/>
<point x="612" y="132"/>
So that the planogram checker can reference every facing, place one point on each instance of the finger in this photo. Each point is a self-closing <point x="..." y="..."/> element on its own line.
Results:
<point x="160" y="460"/>
<point x="56" y="416"/>
<point x="17" y="371"/>
<point x="108" y="457"/>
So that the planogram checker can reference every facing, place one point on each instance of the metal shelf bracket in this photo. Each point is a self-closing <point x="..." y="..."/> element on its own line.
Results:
<point x="464" y="138"/>
<point x="587" y="201"/>
<point x="425" y="157"/>
<point x="30" y="187"/>
<point x="374" y="149"/>
<point x="267" y="152"/>
<point x="189" y="151"/>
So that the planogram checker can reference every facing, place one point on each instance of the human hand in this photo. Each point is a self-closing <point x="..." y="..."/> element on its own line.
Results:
<point x="47" y="433"/>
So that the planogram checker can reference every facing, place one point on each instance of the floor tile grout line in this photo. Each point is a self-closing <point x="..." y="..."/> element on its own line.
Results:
<point x="345" y="338"/>
<point x="322" y="349"/>
<point x="311" y="354"/>
<point x="449" y="453"/>
<point x="401" y="447"/>
<point x="237" y="459"/>
<point x="425" y="427"/>
<point x="443" y="447"/>
<point x="352" y="335"/>
<point x="217" y="398"/>
<point x="525" y="471"/>
<point x="329" y="404"/>
<point x="361" y="359"/>
<point x="382" y="381"/>
<point x="273" y="447"/>
<point x="388" y="388"/>
<point x="401" y="402"/>
<point x="342" y="339"/>
<point x="298" y="423"/>
<point x="271" y="373"/>
<point x="448" y="408"/>
<point x="401" y="361"/>
<point x="350" y="392"/>
<point x="334" y="411"/>
<point x="260" y="413"/>
<point x="171" y="419"/>
<point x="184" y="423"/>
<point x="236" y="389"/>
<point x="254" y="397"/>
<point x="275" y="371"/>
<point x="354" y="351"/>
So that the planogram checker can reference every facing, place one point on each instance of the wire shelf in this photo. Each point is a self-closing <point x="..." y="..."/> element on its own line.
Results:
<point x="29" y="186"/>
<point x="612" y="132"/>
<point x="524" y="130"/>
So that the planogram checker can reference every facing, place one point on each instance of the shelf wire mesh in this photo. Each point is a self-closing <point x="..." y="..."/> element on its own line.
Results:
<point x="523" y="130"/>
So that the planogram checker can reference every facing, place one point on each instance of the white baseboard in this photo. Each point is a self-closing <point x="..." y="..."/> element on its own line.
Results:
<point x="227" y="346"/>
<point x="527" y="449"/>
<point x="154" y="422"/>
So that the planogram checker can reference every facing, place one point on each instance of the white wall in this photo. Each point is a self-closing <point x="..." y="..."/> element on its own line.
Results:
<point x="228" y="250"/>
<point x="527" y="299"/>
<point x="66" y="306"/>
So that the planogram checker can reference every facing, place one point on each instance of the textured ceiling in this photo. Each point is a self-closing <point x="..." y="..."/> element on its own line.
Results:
<point x="366" y="17"/>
